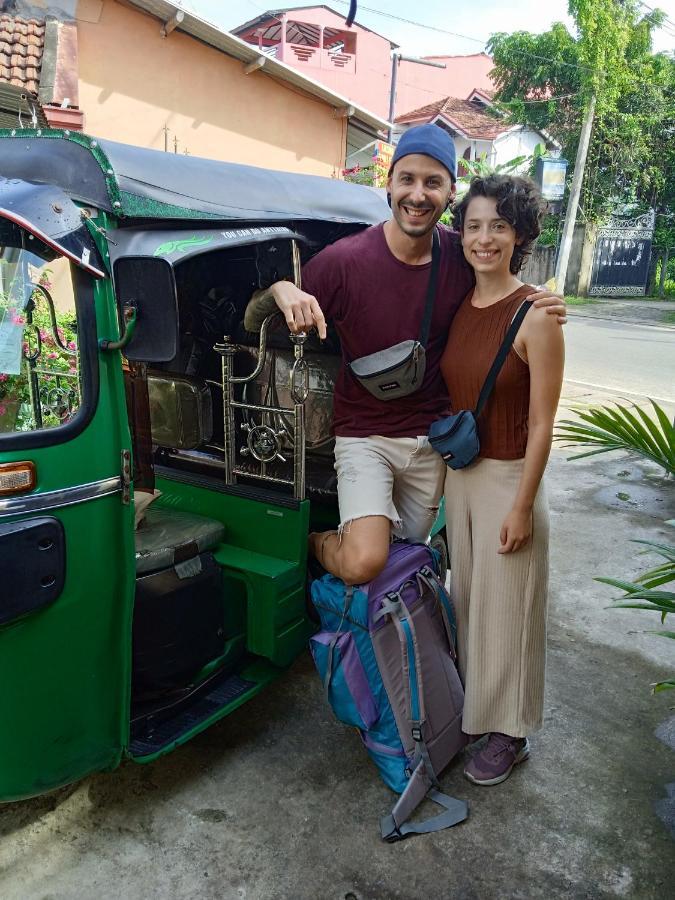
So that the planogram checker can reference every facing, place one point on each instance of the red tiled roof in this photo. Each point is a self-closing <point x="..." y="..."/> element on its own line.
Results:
<point x="467" y="117"/>
<point x="21" y="46"/>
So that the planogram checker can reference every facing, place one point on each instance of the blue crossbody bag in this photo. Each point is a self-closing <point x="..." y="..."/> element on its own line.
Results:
<point x="456" y="437"/>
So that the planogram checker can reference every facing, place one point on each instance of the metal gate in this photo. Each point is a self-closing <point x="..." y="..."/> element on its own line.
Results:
<point x="622" y="253"/>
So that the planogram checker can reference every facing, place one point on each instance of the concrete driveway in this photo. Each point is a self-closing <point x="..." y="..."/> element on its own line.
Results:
<point x="280" y="802"/>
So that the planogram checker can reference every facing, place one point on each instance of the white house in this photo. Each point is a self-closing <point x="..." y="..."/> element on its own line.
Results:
<point x="476" y="128"/>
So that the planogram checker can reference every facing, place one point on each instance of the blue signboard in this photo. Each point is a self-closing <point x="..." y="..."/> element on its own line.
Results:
<point x="550" y="177"/>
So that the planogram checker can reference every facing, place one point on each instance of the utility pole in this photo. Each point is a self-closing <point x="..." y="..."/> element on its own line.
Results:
<point x="575" y="194"/>
<point x="395" y="61"/>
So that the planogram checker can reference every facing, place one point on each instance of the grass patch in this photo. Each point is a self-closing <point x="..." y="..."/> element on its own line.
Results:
<point x="580" y="301"/>
<point x="669" y="318"/>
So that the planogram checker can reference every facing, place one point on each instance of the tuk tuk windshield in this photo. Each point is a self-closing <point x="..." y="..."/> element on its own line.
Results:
<point x="39" y="359"/>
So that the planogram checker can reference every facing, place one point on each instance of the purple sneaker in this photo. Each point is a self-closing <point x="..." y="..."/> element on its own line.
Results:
<point x="493" y="764"/>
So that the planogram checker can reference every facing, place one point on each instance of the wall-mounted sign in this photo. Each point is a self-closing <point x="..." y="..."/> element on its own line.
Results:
<point x="550" y="177"/>
<point x="382" y="156"/>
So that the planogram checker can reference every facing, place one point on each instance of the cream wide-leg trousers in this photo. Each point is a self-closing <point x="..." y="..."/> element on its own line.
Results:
<point x="500" y="599"/>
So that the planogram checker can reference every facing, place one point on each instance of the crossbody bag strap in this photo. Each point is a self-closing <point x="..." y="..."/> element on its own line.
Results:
<point x="431" y="289"/>
<point x="500" y="358"/>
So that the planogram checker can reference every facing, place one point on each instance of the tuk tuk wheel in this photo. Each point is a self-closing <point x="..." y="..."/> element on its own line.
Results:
<point x="439" y="542"/>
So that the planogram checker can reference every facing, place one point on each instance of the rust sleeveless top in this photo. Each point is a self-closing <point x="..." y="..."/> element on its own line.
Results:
<point x="475" y="337"/>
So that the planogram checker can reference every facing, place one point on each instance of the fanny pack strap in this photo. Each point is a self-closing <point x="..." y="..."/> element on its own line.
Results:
<point x="430" y="297"/>
<point x="500" y="358"/>
<point x="431" y="289"/>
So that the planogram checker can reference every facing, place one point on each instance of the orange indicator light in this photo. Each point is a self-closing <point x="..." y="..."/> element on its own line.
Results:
<point x="16" y="478"/>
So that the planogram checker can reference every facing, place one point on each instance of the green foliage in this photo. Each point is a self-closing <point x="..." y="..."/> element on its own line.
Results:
<point x="646" y="592"/>
<point x="374" y="175"/>
<point x="549" y="231"/>
<point x="481" y="168"/>
<point x="545" y="80"/>
<point x="605" y="32"/>
<point x="607" y="428"/>
<point x="57" y="366"/>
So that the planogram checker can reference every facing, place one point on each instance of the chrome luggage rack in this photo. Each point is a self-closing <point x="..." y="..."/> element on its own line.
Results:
<point x="263" y="436"/>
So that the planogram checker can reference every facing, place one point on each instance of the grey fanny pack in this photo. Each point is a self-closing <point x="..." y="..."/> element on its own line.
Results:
<point x="399" y="370"/>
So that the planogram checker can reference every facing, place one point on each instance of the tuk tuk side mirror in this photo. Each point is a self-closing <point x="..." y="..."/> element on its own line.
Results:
<point x="146" y="294"/>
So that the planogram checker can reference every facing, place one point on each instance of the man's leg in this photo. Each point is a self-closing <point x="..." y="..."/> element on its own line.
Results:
<point x="419" y="477"/>
<point x="359" y="553"/>
<point x="365" y="471"/>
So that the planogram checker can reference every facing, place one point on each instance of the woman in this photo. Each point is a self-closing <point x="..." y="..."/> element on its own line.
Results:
<point x="496" y="508"/>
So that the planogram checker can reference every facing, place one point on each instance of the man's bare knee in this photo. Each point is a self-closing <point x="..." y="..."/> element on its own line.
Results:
<point x="362" y="564"/>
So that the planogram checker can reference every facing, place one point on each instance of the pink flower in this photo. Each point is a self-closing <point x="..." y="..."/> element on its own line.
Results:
<point x="3" y="376"/>
<point x="72" y="345"/>
<point x="3" y="409"/>
<point x="18" y="320"/>
<point x="52" y="356"/>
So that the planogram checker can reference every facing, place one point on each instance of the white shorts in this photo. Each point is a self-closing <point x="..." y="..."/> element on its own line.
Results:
<point x="399" y="478"/>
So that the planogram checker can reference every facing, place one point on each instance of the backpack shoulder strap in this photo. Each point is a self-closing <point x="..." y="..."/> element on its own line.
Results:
<point x="423" y="781"/>
<point x="395" y="826"/>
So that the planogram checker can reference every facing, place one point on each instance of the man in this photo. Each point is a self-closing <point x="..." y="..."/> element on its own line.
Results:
<point x="373" y="286"/>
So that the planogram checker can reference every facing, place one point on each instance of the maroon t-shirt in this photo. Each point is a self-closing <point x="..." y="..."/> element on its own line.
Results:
<point x="376" y="301"/>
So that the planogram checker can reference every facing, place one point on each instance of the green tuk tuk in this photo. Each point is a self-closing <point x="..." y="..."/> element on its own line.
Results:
<point x="126" y="375"/>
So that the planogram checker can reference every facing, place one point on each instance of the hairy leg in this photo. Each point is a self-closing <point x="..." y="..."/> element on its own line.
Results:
<point x="359" y="554"/>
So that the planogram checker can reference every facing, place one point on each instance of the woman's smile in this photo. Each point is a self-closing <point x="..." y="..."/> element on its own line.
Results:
<point x="487" y="238"/>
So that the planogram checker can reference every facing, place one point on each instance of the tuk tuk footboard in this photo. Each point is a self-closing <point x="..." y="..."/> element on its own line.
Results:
<point x="262" y="555"/>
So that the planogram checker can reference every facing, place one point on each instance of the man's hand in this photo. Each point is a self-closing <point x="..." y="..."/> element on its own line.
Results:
<point x="301" y="310"/>
<point x="554" y="303"/>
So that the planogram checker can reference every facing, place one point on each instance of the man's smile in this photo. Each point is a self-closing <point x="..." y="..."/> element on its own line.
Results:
<point x="415" y="212"/>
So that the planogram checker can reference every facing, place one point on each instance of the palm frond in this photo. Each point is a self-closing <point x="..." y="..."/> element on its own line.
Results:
<point x="668" y="685"/>
<point x="609" y="428"/>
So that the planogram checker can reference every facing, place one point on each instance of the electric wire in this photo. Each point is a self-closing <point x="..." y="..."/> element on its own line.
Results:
<point x="434" y="28"/>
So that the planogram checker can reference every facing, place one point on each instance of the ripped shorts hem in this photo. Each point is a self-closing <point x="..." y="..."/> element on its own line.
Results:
<point x="343" y="527"/>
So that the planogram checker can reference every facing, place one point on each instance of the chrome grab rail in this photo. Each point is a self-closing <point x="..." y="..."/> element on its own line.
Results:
<point x="263" y="439"/>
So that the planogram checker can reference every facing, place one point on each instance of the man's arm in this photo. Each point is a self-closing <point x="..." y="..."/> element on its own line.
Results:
<point x="301" y="310"/>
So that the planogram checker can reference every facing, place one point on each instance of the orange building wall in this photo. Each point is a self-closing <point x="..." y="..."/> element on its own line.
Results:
<point x="133" y="82"/>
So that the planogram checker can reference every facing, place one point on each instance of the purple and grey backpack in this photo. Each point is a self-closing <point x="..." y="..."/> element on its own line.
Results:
<point x="386" y="655"/>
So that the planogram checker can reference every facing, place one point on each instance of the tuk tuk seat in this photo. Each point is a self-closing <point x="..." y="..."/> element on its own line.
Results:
<point x="167" y="537"/>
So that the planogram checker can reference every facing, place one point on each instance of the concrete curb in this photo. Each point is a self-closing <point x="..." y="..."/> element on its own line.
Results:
<point x="582" y="313"/>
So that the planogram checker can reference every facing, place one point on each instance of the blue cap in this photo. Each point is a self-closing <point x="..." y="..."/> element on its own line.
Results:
<point x="430" y="140"/>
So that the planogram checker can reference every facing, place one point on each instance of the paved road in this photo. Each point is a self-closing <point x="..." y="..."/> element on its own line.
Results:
<point x="617" y="356"/>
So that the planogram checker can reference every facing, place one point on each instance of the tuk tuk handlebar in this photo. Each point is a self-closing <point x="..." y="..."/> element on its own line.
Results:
<point x="129" y="316"/>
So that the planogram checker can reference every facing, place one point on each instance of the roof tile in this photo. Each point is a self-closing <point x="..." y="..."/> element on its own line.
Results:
<point x="466" y="116"/>
<point x="21" y="48"/>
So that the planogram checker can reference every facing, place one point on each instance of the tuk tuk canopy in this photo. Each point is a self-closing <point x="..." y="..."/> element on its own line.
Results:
<point x="138" y="183"/>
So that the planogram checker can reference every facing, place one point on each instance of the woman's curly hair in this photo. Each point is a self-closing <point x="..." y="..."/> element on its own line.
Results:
<point x="518" y="202"/>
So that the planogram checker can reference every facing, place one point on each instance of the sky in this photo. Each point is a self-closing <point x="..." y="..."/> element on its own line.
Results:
<point x="475" y="21"/>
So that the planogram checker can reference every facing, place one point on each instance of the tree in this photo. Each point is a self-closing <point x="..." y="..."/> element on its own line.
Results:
<point x="546" y="80"/>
